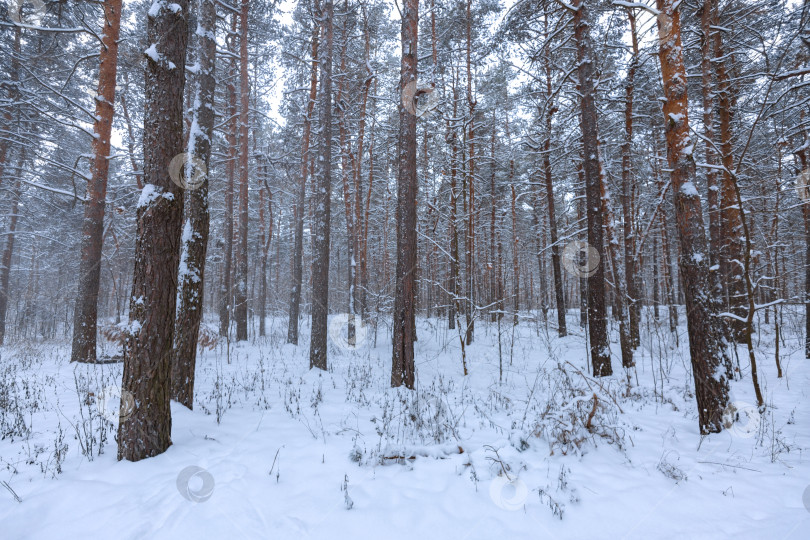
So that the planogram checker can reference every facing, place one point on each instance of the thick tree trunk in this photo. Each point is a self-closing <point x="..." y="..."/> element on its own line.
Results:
<point x="147" y="431"/>
<point x="191" y="277"/>
<point x="705" y="339"/>
<point x="298" y="248"/>
<point x="86" y="312"/>
<point x="241" y="275"/>
<point x="597" y="320"/>
<point x="322" y="199"/>
<point x="402" y="364"/>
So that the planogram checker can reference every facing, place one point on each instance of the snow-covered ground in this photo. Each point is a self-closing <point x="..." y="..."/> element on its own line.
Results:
<point x="273" y="450"/>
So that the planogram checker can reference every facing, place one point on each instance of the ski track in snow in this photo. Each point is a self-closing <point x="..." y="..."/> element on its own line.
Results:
<point x="734" y="487"/>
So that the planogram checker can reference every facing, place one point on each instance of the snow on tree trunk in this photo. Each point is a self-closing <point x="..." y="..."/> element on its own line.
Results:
<point x="706" y="345"/>
<point x="241" y="275"/>
<point x="628" y="200"/>
<point x="8" y="251"/>
<point x="195" y="233"/>
<point x="597" y="320"/>
<point x="147" y="431"/>
<point x="226" y="290"/>
<point x="322" y="198"/>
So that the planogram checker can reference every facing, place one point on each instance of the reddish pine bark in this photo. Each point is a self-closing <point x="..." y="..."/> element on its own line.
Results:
<point x="86" y="312"/>
<point x="705" y="339"/>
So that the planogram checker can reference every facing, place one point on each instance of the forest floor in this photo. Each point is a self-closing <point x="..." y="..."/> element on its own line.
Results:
<point x="273" y="450"/>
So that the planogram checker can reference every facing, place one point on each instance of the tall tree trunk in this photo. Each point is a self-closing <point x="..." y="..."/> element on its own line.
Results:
<point x="540" y="235"/>
<point x="470" y="168"/>
<point x="226" y="292"/>
<point x="583" y="281"/>
<point x="86" y="312"/>
<point x="366" y="213"/>
<point x="656" y="281"/>
<point x="515" y="252"/>
<point x="669" y="269"/>
<point x="8" y="250"/>
<point x="597" y="320"/>
<point x="13" y="90"/>
<point x="345" y="171"/>
<point x="265" y="252"/>
<point x="619" y="282"/>
<point x="322" y="199"/>
<point x="731" y="248"/>
<point x="633" y="306"/>
<point x="359" y="296"/>
<point x="298" y="248"/>
<point x="191" y="278"/>
<point x="804" y="163"/>
<point x="403" y="371"/>
<point x="708" y="14"/>
<point x="705" y="339"/>
<point x="453" y="285"/>
<point x="241" y="275"/>
<point x="147" y="431"/>
<point x="556" y="264"/>
<point x="494" y="300"/>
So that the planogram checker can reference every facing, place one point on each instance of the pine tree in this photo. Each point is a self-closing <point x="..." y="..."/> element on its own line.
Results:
<point x="147" y="431"/>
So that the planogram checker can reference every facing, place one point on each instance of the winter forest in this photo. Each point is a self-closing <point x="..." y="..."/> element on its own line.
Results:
<point x="405" y="269"/>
